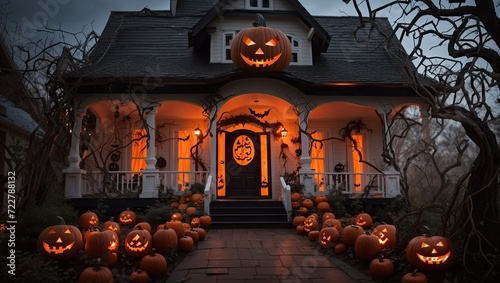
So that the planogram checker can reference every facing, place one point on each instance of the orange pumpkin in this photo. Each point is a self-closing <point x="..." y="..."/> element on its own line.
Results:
<point x="327" y="215"/>
<point x="100" y="242"/>
<point x="60" y="242"/>
<point x="97" y="273"/>
<point x="112" y="225"/>
<point x="186" y="244"/>
<point x="87" y="220"/>
<point x="138" y="243"/>
<point x="177" y="227"/>
<point x="206" y="221"/>
<point x="191" y="211"/>
<point x="299" y="219"/>
<point x="340" y="248"/>
<point x="261" y="49"/>
<point x="333" y="223"/>
<point x="138" y="276"/>
<point x="127" y="217"/>
<point x="165" y="240"/>
<point x="195" y="222"/>
<point x="310" y="224"/>
<point x="350" y="234"/>
<point x="144" y="225"/>
<point x="323" y="206"/>
<point x="328" y="237"/>
<point x="386" y="235"/>
<point x="367" y="246"/>
<point x="381" y="267"/>
<point x="201" y="233"/>
<point x="430" y="253"/>
<point x="154" y="264"/>
<point x="308" y="203"/>
<point x="414" y="277"/>
<point x="364" y="220"/>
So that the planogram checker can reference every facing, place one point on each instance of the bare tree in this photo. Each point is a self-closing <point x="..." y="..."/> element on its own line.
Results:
<point x="460" y="85"/>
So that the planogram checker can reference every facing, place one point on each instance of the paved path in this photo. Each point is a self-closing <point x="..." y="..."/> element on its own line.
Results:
<point x="261" y="256"/>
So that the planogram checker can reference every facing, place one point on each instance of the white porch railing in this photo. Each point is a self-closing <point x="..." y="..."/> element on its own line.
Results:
<point x="207" y="194"/>
<point x="130" y="184"/>
<point x="286" y="197"/>
<point x="351" y="184"/>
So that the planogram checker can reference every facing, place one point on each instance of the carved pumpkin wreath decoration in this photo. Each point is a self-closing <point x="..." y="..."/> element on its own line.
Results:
<point x="261" y="49"/>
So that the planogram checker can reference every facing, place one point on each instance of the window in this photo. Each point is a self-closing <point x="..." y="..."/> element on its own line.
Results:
<point x="183" y="159"/>
<point x="227" y="38"/>
<point x="318" y="160"/>
<point x="295" y="49"/>
<point x="258" y="4"/>
<point x="357" y="166"/>
<point x="139" y="150"/>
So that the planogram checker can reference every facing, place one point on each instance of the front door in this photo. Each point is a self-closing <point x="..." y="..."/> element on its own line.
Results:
<point x="243" y="164"/>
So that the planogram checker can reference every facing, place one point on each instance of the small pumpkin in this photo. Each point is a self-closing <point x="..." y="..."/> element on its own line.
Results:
<point x="313" y="235"/>
<point x="177" y="227"/>
<point x="350" y="234"/>
<point x="310" y="224"/>
<point x="381" y="267"/>
<point x="144" y="225"/>
<point x="303" y="211"/>
<point x="176" y="216"/>
<point x="138" y="243"/>
<point x="195" y="222"/>
<point x="323" y="206"/>
<point x="327" y="215"/>
<point x="196" y="198"/>
<point x="261" y="48"/>
<point x="299" y="229"/>
<point x="87" y="220"/>
<point x="386" y="235"/>
<point x="364" y="220"/>
<point x="97" y="273"/>
<point x="60" y="242"/>
<point x="138" y="276"/>
<point x="299" y="219"/>
<point x="191" y="211"/>
<point x="112" y="225"/>
<point x="186" y="244"/>
<point x="328" y="237"/>
<point x="127" y="217"/>
<point x="201" y="233"/>
<point x="430" y="253"/>
<point x="165" y="240"/>
<point x="206" y="221"/>
<point x="334" y="223"/>
<point x="340" y="248"/>
<point x="308" y="203"/>
<point x="154" y="264"/>
<point x="367" y="246"/>
<point x="296" y="196"/>
<point x="414" y="277"/>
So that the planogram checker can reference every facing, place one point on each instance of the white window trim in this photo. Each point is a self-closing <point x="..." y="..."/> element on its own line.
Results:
<point x="297" y="49"/>
<point x="259" y="5"/>
<point x="225" y="47"/>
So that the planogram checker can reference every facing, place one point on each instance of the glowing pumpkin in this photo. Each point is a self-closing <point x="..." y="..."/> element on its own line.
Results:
<point x="100" y="242"/>
<point x="127" y="217"/>
<point x="327" y="215"/>
<point x="261" y="49"/>
<point x="364" y="220"/>
<point x="430" y="253"/>
<point x="195" y="222"/>
<point x="88" y="219"/>
<point x="112" y="225"/>
<point x="328" y="237"/>
<point x="386" y="235"/>
<point x="138" y="243"/>
<point x="60" y="242"/>
<point x="310" y="224"/>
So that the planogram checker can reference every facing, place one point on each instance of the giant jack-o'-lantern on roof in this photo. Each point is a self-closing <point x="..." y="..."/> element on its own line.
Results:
<point x="261" y="49"/>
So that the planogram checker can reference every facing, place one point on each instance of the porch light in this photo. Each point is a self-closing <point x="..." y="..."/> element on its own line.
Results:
<point x="197" y="132"/>
<point x="284" y="133"/>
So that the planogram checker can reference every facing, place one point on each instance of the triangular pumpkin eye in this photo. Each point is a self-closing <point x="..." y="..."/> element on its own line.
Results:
<point x="440" y="244"/>
<point x="67" y="231"/>
<point x="272" y="42"/>
<point x="424" y="245"/>
<point x="248" y="41"/>
<point x="52" y="231"/>
<point x="385" y="230"/>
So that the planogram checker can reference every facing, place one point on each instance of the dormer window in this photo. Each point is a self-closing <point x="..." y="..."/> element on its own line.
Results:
<point x="258" y="4"/>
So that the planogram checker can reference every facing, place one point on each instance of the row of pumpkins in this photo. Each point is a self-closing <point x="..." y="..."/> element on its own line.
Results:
<point x="426" y="252"/>
<point x="63" y="242"/>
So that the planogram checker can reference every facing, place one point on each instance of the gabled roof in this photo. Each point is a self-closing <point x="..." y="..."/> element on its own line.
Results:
<point x="320" y="40"/>
<point x="154" y="45"/>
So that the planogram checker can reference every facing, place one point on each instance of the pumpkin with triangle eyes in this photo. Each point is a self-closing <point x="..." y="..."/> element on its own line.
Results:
<point x="364" y="220"/>
<point x="310" y="224"/>
<point x="138" y="243"/>
<point x="60" y="242"/>
<point x="430" y="253"/>
<point x="87" y="220"/>
<point x="328" y="237"/>
<point x="127" y="217"/>
<point x="261" y="49"/>
<point x="112" y="225"/>
<point x="386" y="235"/>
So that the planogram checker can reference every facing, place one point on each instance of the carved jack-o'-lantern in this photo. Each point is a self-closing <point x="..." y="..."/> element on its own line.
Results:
<point x="195" y="222"/>
<point x="310" y="224"/>
<point x="261" y="49"/>
<point x="128" y="218"/>
<point x="138" y="242"/>
<point x="386" y="235"/>
<point x="112" y="226"/>
<point x="243" y="150"/>
<point x="364" y="220"/>
<point x="328" y="237"/>
<point x="60" y="242"/>
<point x="88" y="219"/>
<point x="100" y="242"/>
<point x="430" y="253"/>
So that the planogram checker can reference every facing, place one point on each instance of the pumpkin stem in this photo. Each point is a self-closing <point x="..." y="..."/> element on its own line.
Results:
<point x="97" y="265"/>
<point x="261" y="22"/>
<point x="414" y="273"/>
<point x="153" y="252"/>
<point x="381" y="258"/>
<point x="112" y="218"/>
<point x="428" y="230"/>
<point x="61" y="220"/>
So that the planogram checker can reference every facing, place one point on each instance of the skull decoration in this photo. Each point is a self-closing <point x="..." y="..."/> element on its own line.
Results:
<point x="261" y="49"/>
<point x="60" y="242"/>
<point x="138" y="243"/>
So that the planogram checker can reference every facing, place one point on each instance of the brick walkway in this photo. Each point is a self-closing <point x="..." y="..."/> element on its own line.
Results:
<point x="261" y="256"/>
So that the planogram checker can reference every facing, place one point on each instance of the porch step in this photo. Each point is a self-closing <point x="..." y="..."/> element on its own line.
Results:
<point x="248" y="214"/>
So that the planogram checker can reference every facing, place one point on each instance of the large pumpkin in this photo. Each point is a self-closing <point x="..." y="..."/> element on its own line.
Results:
<point x="367" y="246"/>
<point x="430" y="253"/>
<point x="165" y="240"/>
<point x="138" y="243"/>
<point x="350" y="234"/>
<point x="261" y="49"/>
<point x="60" y="242"/>
<point x="154" y="264"/>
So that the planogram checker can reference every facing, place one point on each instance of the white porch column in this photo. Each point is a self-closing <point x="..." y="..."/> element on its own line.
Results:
<point x="211" y="194"/>
<point x="424" y="113"/>
<point x="306" y="174"/>
<point x="150" y="176"/>
<point x="73" y="174"/>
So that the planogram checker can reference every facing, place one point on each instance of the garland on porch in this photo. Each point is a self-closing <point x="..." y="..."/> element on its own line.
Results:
<point x="245" y="119"/>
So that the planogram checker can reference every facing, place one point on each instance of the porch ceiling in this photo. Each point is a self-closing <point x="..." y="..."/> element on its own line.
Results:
<point x="342" y="110"/>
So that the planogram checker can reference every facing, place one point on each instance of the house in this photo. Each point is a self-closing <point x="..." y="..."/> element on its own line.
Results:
<point x="162" y="105"/>
<point x="16" y="125"/>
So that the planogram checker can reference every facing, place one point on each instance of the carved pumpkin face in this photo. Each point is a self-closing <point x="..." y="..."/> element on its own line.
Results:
<point x="364" y="220"/>
<point x="195" y="222"/>
<point x="430" y="253"/>
<point x="328" y="237"/>
<point x="310" y="224"/>
<point x="138" y="243"/>
<point x="261" y="49"/>
<point x="88" y="219"/>
<point x="60" y="242"/>
<point x="128" y="218"/>
<point x="112" y="226"/>
<point x="386" y="235"/>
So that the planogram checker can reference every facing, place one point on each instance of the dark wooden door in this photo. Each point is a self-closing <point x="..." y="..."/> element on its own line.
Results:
<point x="243" y="161"/>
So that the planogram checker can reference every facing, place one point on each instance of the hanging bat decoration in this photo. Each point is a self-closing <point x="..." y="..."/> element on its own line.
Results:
<point x="259" y="115"/>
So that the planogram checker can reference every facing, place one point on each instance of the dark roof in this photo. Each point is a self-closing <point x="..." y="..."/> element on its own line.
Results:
<point x="156" y="44"/>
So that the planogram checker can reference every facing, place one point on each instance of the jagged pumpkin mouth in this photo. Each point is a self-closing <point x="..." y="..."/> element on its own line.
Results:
<point x="434" y="259"/>
<point x="260" y="62"/>
<point x="138" y="248"/>
<point x="58" y="249"/>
